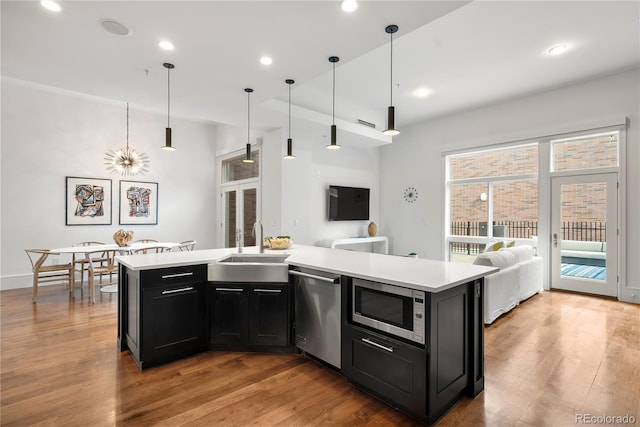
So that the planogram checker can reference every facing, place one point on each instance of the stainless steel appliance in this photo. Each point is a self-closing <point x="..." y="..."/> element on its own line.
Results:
<point x="317" y="311"/>
<point x="393" y="309"/>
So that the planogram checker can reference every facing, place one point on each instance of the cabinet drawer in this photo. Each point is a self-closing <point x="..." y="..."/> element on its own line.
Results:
<point x="173" y="275"/>
<point x="393" y="370"/>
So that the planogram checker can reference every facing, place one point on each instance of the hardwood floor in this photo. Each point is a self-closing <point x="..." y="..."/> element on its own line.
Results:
<point x="555" y="356"/>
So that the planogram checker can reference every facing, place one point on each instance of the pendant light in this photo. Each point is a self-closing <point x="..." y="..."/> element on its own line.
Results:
<point x="248" y="158"/>
<point x="167" y="144"/>
<point x="334" y="145"/>
<point x="127" y="161"/>
<point x="391" y="119"/>
<point x="289" y="154"/>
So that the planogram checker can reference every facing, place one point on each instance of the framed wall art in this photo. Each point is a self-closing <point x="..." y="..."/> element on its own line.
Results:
<point x="138" y="203"/>
<point x="88" y="201"/>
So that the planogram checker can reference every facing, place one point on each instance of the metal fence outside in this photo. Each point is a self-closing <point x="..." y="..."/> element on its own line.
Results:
<point x="571" y="230"/>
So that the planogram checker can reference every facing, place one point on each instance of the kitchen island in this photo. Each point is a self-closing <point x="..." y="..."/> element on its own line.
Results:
<point x="423" y="378"/>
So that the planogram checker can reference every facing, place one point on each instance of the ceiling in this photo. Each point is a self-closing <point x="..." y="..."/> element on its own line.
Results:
<point x="468" y="54"/>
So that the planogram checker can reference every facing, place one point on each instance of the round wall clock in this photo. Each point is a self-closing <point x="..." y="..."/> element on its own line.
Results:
<point x="410" y="195"/>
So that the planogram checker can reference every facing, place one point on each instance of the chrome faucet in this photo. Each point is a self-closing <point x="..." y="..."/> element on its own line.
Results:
<point x="239" y="240"/>
<point x="259" y="241"/>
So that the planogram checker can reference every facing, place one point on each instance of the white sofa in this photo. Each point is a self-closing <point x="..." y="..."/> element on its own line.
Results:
<point x="519" y="278"/>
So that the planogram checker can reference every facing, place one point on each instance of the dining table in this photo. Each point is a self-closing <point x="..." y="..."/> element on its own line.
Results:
<point x="125" y="250"/>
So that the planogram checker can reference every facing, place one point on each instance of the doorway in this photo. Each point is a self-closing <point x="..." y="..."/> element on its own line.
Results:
<point x="584" y="233"/>
<point x="239" y="213"/>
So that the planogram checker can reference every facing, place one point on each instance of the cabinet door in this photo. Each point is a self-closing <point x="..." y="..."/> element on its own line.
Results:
<point x="173" y="320"/>
<point x="269" y="315"/>
<point x="229" y="312"/>
<point x="393" y="370"/>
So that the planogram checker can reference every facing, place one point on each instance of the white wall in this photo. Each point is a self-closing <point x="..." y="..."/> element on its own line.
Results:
<point x="415" y="158"/>
<point x="49" y="134"/>
<point x="305" y="182"/>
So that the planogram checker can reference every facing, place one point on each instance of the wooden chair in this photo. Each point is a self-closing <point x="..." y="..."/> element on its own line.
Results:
<point x="43" y="272"/>
<point x="187" y="245"/>
<point x="103" y="270"/>
<point x="81" y="264"/>
<point x="152" y="250"/>
<point x="146" y="241"/>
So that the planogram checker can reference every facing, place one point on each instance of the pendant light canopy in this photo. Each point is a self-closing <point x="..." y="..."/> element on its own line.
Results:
<point x="334" y="145"/>
<point x="248" y="158"/>
<point x="289" y="154"/>
<point x="391" y="119"/>
<point x="127" y="161"/>
<point x="167" y="143"/>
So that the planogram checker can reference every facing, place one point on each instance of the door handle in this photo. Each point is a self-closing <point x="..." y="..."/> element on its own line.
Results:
<point x="332" y="280"/>
<point x="555" y="240"/>
<point x="273" y="291"/>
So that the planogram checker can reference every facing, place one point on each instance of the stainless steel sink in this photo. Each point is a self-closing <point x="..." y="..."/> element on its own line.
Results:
<point x="255" y="268"/>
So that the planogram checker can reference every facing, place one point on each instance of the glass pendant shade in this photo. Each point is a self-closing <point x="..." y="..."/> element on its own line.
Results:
<point x="126" y="161"/>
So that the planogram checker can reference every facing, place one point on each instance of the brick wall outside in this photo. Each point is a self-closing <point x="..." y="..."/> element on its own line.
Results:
<point x="517" y="201"/>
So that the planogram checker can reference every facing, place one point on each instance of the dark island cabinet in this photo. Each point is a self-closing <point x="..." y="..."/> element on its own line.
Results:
<point x="386" y="367"/>
<point x="166" y="317"/>
<point x="249" y="316"/>
<point x="423" y="380"/>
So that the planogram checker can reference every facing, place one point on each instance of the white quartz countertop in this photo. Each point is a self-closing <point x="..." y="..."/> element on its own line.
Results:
<point x="423" y="274"/>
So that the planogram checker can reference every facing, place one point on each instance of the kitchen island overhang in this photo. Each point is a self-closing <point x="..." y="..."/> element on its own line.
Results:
<point x="450" y="288"/>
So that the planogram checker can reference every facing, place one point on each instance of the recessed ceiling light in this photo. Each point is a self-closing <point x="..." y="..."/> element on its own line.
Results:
<point x="558" y="49"/>
<point x="166" y="45"/>
<point x="51" y="5"/>
<point x="422" y="92"/>
<point x="114" y="27"/>
<point x="265" y="60"/>
<point x="349" y="5"/>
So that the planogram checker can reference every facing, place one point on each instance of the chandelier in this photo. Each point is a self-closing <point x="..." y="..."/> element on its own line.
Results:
<point x="126" y="161"/>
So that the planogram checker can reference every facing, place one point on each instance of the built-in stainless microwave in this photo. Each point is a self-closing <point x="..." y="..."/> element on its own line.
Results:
<point x="393" y="309"/>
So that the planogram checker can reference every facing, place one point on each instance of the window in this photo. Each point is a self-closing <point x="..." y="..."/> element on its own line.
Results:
<point x="585" y="152"/>
<point x="234" y="169"/>
<point x="493" y="194"/>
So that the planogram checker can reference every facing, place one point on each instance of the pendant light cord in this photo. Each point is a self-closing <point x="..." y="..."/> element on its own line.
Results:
<point x="127" y="126"/>
<point x="289" y="111"/>
<point x="333" y="107"/>
<point x="248" y="118"/>
<point x="168" y="96"/>
<point x="391" y="74"/>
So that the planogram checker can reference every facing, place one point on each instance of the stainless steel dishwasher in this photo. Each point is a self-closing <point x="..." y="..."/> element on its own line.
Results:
<point x="317" y="311"/>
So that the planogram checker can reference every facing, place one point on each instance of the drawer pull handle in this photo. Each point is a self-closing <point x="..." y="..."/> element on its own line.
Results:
<point x="375" y="344"/>
<point x="273" y="291"/>
<point x="173" y="291"/>
<point x="229" y="289"/>
<point x="171" y="276"/>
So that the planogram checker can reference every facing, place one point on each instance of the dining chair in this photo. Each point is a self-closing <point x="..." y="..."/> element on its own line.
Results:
<point x="48" y="272"/>
<point x="146" y="241"/>
<point x="187" y="245"/>
<point x="152" y="250"/>
<point x="103" y="267"/>
<point x="80" y="262"/>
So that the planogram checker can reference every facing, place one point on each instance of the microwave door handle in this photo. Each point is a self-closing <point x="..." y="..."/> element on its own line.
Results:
<point x="313" y="276"/>
<point x="375" y="344"/>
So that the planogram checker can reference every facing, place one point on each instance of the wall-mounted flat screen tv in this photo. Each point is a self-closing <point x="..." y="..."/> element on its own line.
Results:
<point x="348" y="203"/>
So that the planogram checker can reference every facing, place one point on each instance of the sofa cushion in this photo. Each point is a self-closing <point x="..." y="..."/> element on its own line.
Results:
<point x="576" y="245"/>
<point x="500" y="259"/>
<point x="522" y="253"/>
<point x="493" y="246"/>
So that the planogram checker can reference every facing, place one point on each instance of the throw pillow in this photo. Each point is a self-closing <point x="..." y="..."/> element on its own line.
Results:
<point x="493" y="246"/>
